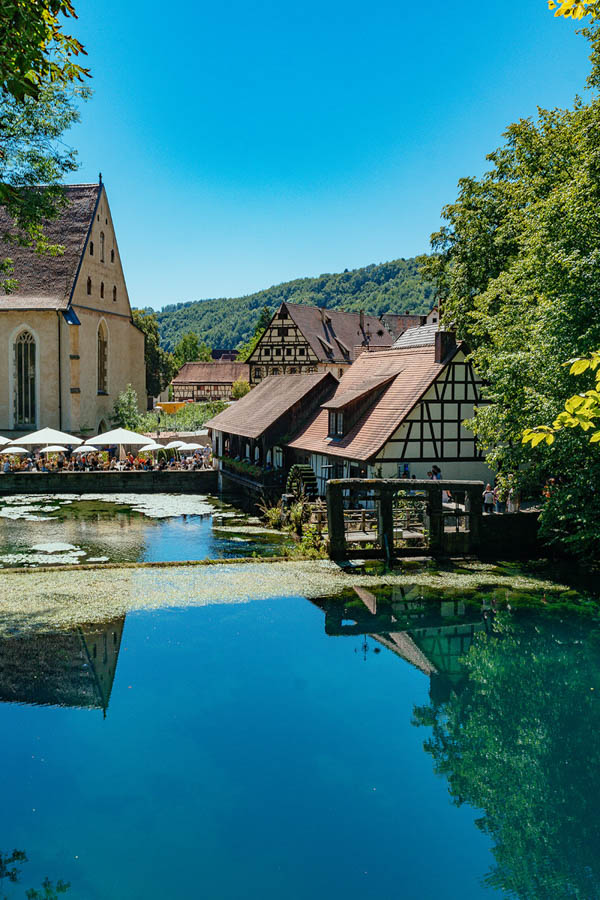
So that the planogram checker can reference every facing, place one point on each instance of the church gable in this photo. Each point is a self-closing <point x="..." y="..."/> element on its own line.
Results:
<point x="100" y="283"/>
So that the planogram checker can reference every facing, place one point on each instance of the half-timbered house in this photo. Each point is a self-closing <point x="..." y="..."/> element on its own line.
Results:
<point x="396" y="412"/>
<point x="201" y="381"/>
<point x="303" y="339"/>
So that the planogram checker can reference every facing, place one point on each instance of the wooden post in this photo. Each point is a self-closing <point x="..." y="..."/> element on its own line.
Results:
<point x="385" y="520"/>
<point x="436" y="519"/>
<point x="335" y="520"/>
<point x="473" y="505"/>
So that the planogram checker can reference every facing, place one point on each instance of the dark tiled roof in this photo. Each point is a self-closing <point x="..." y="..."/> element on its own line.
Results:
<point x="343" y="398"/>
<point x="46" y="282"/>
<point x="266" y="403"/>
<point x="415" y="370"/>
<point x="422" y="336"/>
<point x="337" y="331"/>
<point x="218" y="372"/>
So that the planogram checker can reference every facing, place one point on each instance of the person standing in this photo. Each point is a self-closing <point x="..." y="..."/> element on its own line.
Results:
<point x="488" y="499"/>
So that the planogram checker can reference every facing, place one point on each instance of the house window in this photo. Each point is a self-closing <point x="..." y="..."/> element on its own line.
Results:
<point x="101" y="246"/>
<point x="91" y="248"/>
<point x="114" y="294"/>
<point x="276" y="351"/>
<point x="267" y="351"/>
<point x="336" y="424"/>
<point x="301" y="351"/>
<point x="275" y="371"/>
<point x="258" y="373"/>
<point x="112" y="255"/>
<point x="102" y="359"/>
<point x="102" y="289"/>
<point x="25" y="374"/>
<point x="89" y="286"/>
<point x="289" y="351"/>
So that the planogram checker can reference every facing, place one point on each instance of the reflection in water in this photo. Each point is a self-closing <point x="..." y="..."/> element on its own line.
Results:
<point x="72" y="667"/>
<point x="515" y="716"/>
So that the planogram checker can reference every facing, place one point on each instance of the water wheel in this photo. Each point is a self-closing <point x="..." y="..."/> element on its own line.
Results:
<point x="302" y="481"/>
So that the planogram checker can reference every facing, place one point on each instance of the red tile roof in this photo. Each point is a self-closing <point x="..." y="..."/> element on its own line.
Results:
<point x="217" y="372"/>
<point x="267" y="402"/>
<point x="415" y="370"/>
<point x="46" y="282"/>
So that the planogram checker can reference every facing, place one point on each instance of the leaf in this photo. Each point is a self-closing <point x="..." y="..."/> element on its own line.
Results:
<point x="595" y="438"/>
<point x="537" y="439"/>
<point x="573" y="403"/>
<point x="579" y="366"/>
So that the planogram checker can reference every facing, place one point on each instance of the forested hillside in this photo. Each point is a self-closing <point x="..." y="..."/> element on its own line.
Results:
<point x="389" y="287"/>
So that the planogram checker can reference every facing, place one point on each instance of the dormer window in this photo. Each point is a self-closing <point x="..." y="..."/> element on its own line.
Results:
<point x="336" y="424"/>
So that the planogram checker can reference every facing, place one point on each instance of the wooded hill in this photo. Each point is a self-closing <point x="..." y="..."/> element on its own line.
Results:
<point x="391" y="287"/>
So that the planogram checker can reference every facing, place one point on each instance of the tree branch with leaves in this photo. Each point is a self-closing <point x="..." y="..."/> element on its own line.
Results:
<point x="580" y="411"/>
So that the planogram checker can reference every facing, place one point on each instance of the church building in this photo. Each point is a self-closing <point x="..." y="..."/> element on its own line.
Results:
<point x="69" y="342"/>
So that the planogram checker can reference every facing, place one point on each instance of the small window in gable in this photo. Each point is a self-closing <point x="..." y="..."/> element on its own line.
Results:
<point x="114" y="293"/>
<point x="112" y="255"/>
<point x="102" y="290"/>
<point x="89" y="286"/>
<point x="101" y="246"/>
<point x="91" y="248"/>
<point x="336" y="424"/>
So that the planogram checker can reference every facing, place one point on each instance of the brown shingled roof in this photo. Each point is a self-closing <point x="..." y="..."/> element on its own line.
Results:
<point x="46" y="282"/>
<point x="218" y="372"/>
<point x="266" y="403"/>
<point x="415" y="370"/>
<point x="337" y="331"/>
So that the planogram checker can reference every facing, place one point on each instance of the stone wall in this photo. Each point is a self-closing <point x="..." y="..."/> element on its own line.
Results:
<point x="511" y="535"/>
<point x="203" y="481"/>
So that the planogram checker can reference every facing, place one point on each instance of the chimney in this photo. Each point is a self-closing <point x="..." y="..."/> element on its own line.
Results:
<point x="361" y="316"/>
<point x="322" y="312"/>
<point x="445" y="343"/>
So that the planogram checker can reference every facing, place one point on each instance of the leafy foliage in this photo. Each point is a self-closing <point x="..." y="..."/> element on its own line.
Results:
<point x="581" y="410"/>
<point x="189" y="349"/>
<point x="392" y="287"/>
<point x="160" y="365"/>
<point x="11" y="873"/>
<point x="35" y="52"/>
<point x="239" y="388"/>
<point x="190" y="417"/>
<point x="575" y="9"/>
<point x="125" y="411"/>
<point x="517" y="267"/>
<point x="33" y="163"/>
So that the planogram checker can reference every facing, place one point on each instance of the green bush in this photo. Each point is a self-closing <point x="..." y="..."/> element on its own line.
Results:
<point x="190" y="417"/>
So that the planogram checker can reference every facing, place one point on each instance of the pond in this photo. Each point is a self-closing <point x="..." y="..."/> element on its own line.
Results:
<point x="59" y="529"/>
<point x="375" y="743"/>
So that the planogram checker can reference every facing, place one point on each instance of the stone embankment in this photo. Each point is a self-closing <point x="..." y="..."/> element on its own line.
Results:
<point x="196" y="481"/>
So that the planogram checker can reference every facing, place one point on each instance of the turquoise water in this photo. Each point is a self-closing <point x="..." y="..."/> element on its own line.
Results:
<point x="66" y="529"/>
<point x="292" y="749"/>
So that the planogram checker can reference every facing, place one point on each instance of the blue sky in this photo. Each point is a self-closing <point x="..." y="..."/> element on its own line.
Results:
<point x="247" y="144"/>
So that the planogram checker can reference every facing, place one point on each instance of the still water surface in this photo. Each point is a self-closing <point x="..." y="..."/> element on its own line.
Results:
<point x="295" y="749"/>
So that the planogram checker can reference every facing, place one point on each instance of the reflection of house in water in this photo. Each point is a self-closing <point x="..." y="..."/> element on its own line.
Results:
<point x="73" y="667"/>
<point x="432" y="636"/>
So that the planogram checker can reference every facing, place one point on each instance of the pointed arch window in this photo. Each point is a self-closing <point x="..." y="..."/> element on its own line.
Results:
<point x="101" y="246"/>
<point x="25" y="379"/>
<point x="102" y="359"/>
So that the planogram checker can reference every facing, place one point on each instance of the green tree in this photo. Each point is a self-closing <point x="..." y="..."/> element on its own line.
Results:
<point x="580" y="410"/>
<point x="239" y="388"/>
<point x="246" y="350"/>
<point x="160" y="365"/>
<point x="519" y="742"/>
<point x="190" y="349"/>
<point x="33" y="163"/>
<point x="517" y="270"/>
<point x="125" y="412"/>
<point x="35" y="52"/>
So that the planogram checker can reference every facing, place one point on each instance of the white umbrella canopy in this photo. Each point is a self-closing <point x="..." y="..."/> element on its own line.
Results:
<point x="4" y="441"/>
<point x="119" y="436"/>
<point x="54" y="448"/>
<point x="192" y="446"/>
<point x="47" y="436"/>
<point x="175" y="445"/>
<point x="16" y="450"/>
<point x="85" y="448"/>
<point x="152" y="446"/>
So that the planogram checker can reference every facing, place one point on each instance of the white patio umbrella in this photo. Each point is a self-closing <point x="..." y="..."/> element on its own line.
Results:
<point x="175" y="445"/>
<point x="54" y="448"/>
<point x="4" y="441"/>
<point x="84" y="448"/>
<point x="16" y="450"/>
<point x="192" y="446"/>
<point x="151" y="447"/>
<point x="118" y="436"/>
<point x="47" y="436"/>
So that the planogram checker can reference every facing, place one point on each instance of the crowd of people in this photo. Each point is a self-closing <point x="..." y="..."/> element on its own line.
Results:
<point x="105" y="460"/>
